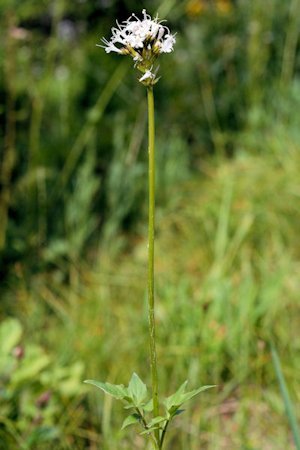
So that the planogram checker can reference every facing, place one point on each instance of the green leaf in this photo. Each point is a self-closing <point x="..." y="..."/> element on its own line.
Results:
<point x="10" y="335"/>
<point x="149" y="406"/>
<point x="189" y="395"/>
<point x="117" y="391"/>
<point x="130" y="403"/>
<point x="131" y="420"/>
<point x="154" y="424"/>
<point x="173" y="402"/>
<point x="178" y="411"/>
<point x="289" y="408"/>
<point x="156" y="421"/>
<point x="175" y="399"/>
<point x="137" y="390"/>
<point x="31" y="366"/>
<point x="149" y="430"/>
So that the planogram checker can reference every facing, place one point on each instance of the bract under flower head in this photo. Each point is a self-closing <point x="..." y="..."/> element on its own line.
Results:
<point x="144" y="40"/>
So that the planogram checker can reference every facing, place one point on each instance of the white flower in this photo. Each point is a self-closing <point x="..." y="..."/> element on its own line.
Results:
<point x="136" y="34"/>
<point x="148" y="75"/>
<point x="167" y="44"/>
<point x="110" y="47"/>
<point x="144" y="40"/>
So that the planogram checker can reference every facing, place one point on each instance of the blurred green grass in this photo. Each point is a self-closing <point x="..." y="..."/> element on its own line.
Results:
<point x="73" y="215"/>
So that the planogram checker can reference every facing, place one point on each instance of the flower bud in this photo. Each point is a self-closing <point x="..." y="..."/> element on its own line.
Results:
<point x="18" y="352"/>
<point x="43" y="400"/>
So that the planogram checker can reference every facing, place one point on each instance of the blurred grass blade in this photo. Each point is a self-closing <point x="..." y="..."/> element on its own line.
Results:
<point x="94" y="117"/>
<point x="286" y="398"/>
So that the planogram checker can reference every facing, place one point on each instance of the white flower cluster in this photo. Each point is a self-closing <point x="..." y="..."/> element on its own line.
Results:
<point x="144" y="40"/>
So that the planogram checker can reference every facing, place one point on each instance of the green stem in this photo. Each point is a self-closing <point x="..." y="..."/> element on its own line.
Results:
<point x="144" y="424"/>
<point x="163" y="435"/>
<point x="151" y="315"/>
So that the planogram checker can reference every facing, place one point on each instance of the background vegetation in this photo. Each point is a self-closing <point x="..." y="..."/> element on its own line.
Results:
<point x="73" y="209"/>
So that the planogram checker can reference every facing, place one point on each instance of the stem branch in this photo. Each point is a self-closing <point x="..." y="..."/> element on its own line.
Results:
<point x="163" y="434"/>
<point x="145" y="426"/>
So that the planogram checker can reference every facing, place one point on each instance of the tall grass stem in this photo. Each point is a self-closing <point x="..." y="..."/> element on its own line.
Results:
<point x="286" y="398"/>
<point x="151" y="226"/>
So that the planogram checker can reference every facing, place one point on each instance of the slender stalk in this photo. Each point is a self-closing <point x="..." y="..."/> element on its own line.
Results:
<point x="163" y="435"/>
<point x="144" y="424"/>
<point x="151" y="314"/>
